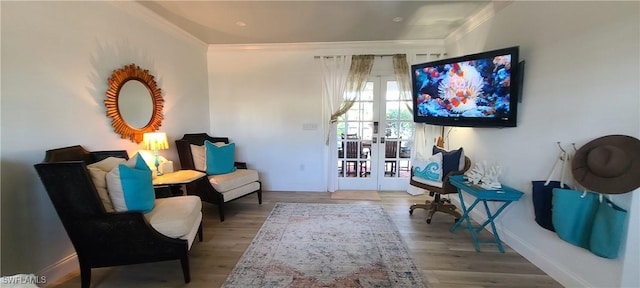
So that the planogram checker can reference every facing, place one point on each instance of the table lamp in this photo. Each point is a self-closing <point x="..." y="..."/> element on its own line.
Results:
<point x="155" y="141"/>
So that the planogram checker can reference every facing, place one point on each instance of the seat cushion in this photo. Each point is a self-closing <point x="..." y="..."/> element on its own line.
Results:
<point x="236" y="179"/>
<point x="428" y="182"/>
<point x="240" y="191"/>
<point x="175" y="216"/>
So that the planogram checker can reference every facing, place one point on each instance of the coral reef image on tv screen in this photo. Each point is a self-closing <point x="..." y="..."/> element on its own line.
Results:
<point x="479" y="88"/>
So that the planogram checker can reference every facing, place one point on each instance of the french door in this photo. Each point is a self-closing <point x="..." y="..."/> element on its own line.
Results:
<point x="374" y="139"/>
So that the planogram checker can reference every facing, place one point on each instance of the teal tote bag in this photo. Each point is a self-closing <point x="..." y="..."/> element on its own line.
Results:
<point x="607" y="230"/>
<point x="573" y="213"/>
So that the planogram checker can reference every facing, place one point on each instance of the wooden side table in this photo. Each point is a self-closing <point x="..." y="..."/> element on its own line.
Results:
<point x="170" y="184"/>
<point x="506" y="195"/>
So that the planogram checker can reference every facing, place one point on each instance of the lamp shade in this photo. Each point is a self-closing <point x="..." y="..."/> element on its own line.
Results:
<point x="155" y="141"/>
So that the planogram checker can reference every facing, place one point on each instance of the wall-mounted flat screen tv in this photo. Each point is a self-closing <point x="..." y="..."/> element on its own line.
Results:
<point x="476" y="90"/>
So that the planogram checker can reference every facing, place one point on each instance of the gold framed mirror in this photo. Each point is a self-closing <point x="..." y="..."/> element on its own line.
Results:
<point x="134" y="110"/>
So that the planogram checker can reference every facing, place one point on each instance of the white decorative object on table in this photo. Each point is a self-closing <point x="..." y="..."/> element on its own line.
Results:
<point x="485" y="176"/>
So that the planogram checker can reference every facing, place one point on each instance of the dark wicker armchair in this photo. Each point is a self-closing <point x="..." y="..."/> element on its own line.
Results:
<point x="438" y="203"/>
<point x="204" y="188"/>
<point x="100" y="238"/>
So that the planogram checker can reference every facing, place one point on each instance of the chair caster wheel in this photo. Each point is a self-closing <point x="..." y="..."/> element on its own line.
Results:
<point x="428" y="221"/>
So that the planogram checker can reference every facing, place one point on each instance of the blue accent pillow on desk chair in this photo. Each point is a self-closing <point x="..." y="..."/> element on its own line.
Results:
<point x="451" y="160"/>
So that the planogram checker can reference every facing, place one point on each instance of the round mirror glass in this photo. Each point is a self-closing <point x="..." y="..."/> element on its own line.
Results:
<point x="135" y="104"/>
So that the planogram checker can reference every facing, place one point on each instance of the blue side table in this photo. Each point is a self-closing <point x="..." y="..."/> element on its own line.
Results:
<point x="506" y="195"/>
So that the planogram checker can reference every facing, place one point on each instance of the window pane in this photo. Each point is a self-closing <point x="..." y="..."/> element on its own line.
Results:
<point x="405" y="149"/>
<point x="367" y="111"/>
<point x="392" y="91"/>
<point x="405" y="113"/>
<point x="392" y="110"/>
<point x="392" y="130"/>
<point x="367" y="93"/>
<point x="406" y="129"/>
<point x="353" y="113"/>
<point x="367" y="131"/>
<point x="340" y="130"/>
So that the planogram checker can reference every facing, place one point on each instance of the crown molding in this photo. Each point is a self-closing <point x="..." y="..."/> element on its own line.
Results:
<point x="377" y="46"/>
<point x="479" y="18"/>
<point x="138" y="10"/>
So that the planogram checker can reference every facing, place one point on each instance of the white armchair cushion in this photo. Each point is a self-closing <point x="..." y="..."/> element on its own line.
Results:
<point x="175" y="217"/>
<point x="240" y="191"/>
<point x="233" y="180"/>
<point x="199" y="157"/>
<point x="98" y="172"/>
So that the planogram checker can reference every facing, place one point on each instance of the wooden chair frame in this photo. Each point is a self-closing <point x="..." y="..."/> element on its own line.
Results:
<point x="202" y="187"/>
<point x="102" y="239"/>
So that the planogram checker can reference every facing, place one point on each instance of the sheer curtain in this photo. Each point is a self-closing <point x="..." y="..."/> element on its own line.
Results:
<point x="423" y="135"/>
<point x="342" y="87"/>
<point x="403" y="77"/>
<point x="335" y="71"/>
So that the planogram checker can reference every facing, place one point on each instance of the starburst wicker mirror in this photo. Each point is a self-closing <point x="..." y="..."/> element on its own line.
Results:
<point x="134" y="110"/>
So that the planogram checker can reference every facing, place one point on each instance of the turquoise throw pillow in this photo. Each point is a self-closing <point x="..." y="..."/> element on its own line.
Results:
<point x="137" y="186"/>
<point x="220" y="159"/>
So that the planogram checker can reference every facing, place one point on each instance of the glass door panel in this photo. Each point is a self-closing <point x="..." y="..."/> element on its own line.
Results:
<point x="395" y="148"/>
<point x="372" y="157"/>
<point x="355" y="134"/>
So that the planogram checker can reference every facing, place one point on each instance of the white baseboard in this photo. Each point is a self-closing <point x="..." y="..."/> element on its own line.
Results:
<point x="60" y="269"/>
<point x="531" y="253"/>
<point x="540" y="259"/>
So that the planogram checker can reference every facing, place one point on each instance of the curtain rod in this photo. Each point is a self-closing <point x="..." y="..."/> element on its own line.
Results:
<point x="376" y="55"/>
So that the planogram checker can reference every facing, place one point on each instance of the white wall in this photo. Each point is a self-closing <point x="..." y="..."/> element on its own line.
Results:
<point x="581" y="82"/>
<point x="56" y="59"/>
<point x="262" y="95"/>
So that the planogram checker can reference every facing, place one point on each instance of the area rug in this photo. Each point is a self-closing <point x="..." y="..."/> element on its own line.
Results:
<point x="326" y="245"/>
<point x="355" y="195"/>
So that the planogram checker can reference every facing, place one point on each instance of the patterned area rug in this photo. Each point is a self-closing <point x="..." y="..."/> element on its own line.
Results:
<point x="326" y="245"/>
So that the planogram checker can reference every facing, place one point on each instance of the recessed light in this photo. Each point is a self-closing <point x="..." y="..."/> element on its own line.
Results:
<point x="398" y="19"/>
<point x="241" y="24"/>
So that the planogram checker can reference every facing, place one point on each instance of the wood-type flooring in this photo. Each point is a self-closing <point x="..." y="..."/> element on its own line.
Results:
<point x="446" y="259"/>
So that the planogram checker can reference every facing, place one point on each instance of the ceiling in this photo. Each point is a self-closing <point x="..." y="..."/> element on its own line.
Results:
<point x="259" y="22"/>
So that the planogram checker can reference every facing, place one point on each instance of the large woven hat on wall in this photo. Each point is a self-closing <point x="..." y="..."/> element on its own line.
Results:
<point x="609" y="164"/>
